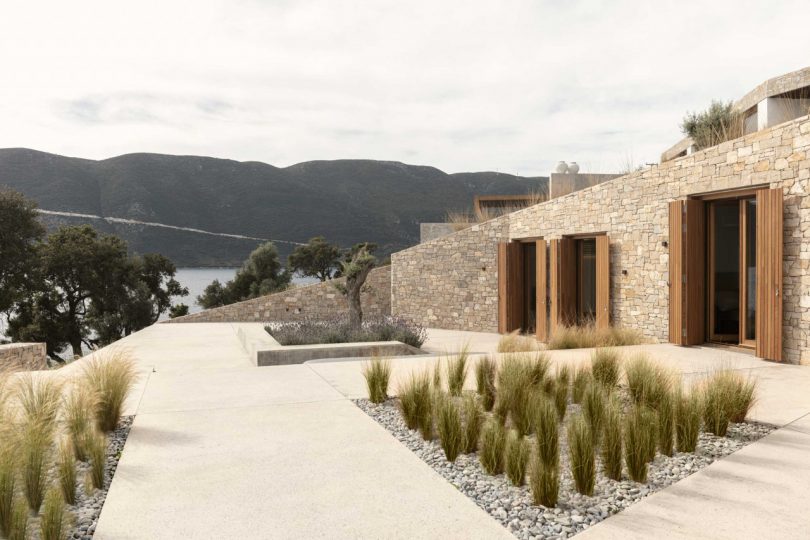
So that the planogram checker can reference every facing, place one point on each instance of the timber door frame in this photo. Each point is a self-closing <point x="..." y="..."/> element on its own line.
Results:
<point x="541" y="272"/>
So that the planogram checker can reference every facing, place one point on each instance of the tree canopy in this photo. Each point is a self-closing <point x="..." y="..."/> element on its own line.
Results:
<point x="262" y="273"/>
<point x="318" y="258"/>
<point x="19" y="232"/>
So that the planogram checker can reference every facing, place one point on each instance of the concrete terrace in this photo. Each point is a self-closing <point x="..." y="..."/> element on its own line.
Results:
<point x="223" y="449"/>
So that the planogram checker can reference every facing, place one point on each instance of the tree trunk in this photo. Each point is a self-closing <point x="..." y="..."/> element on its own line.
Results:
<point x="353" y="288"/>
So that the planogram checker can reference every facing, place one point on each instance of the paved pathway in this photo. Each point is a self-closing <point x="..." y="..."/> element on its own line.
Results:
<point x="222" y="449"/>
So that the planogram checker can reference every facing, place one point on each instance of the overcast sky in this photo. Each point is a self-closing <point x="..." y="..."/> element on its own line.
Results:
<point x="503" y="85"/>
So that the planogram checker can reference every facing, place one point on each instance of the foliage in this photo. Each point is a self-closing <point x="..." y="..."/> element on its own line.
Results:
<point x="20" y="230"/>
<point x="491" y="448"/>
<point x="35" y="442"/>
<point x="514" y="343"/>
<point x="66" y="471"/>
<point x="377" y="372"/>
<point x="457" y="371"/>
<point x="516" y="458"/>
<point x="545" y="483"/>
<point x="687" y="420"/>
<point x="605" y="367"/>
<point x="355" y="267"/>
<point x="561" y="390"/>
<point x="727" y="397"/>
<point x="717" y="124"/>
<point x="473" y="419"/>
<point x="8" y="483"/>
<point x="485" y="371"/>
<point x="612" y="440"/>
<point x="111" y="375"/>
<point x="581" y="451"/>
<point x="518" y="377"/>
<point x="340" y="330"/>
<point x="318" y="258"/>
<point x="593" y="408"/>
<point x="78" y="412"/>
<point x="262" y="273"/>
<point x="547" y="430"/>
<point x="411" y="398"/>
<point x="588" y="336"/>
<point x="97" y="451"/>
<point x="666" y="423"/>
<point x="647" y="381"/>
<point x="636" y="444"/>
<point x="19" y="521"/>
<point x="449" y="427"/>
<point x="179" y="310"/>
<point x="582" y="379"/>
<point x="53" y="524"/>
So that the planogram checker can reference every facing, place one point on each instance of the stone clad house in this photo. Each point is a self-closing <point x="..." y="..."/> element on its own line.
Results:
<point x="709" y="246"/>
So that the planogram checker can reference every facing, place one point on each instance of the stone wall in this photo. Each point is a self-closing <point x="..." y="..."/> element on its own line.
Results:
<point x="633" y="210"/>
<point x="448" y="283"/>
<point x="319" y="300"/>
<point x="23" y="357"/>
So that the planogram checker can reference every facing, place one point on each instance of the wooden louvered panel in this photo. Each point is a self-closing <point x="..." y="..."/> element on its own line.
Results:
<point x="541" y="318"/>
<point x="687" y="272"/>
<point x="567" y="293"/>
<point x="676" y="301"/>
<point x="602" y="281"/>
<point x="554" y="285"/>
<point x="510" y="286"/>
<point x="769" y="274"/>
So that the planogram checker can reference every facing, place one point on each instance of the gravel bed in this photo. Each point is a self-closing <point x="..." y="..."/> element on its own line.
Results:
<point x="84" y="514"/>
<point x="513" y="507"/>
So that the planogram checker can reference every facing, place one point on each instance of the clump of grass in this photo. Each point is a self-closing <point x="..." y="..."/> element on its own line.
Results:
<point x="53" y="524"/>
<point x="517" y="457"/>
<point x="377" y="373"/>
<point x="112" y="377"/>
<point x="66" y="471"/>
<point x="647" y="382"/>
<point x="473" y="419"/>
<point x="547" y="430"/>
<point x="545" y="483"/>
<point x="39" y="399"/>
<point x="485" y="371"/>
<point x="593" y="408"/>
<point x="457" y="371"/>
<point x="605" y="367"/>
<point x="409" y="399"/>
<point x="652" y="432"/>
<point x="19" y="521"/>
<point x="493" y="440"/>
<point x="687" y="420"/>
<point x="666" y="423"/>
<point x="97" y="451"/>
<point x="731" y="392"/>
<point x="517" y="380"/>
<point x="516" y="343"/>
<point x="78" y="416"/>
<point x="635" y="444"/>
<point x="715" y="408"/>
<point x="582" y="378"/>
<point x="449" y="427"/>
<point x="35" y="443"/>
<point x="561" y="390"/>
<point x="8" y="482"/>
<point x="612" y="440"/>
<point x="581" y="452"/>
<point x="437" y="377"/>
<point x="588" y="336"/>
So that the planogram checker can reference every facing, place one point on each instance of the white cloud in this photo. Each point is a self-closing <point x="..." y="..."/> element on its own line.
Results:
<point x="511" y="86"/>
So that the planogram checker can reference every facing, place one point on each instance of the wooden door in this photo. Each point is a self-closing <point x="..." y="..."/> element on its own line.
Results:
<point x="510" y="287"/>
<point x="602" y="281"/>
<point x="568" y="281"/>
<point x="541" y="313"/>
<point x="769" y="255"/>
<point x="687" y="272"/>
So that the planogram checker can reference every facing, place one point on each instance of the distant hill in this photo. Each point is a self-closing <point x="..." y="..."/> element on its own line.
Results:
<point x="346" y="201"/>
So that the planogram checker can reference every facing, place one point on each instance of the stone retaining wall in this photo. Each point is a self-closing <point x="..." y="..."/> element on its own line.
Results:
<point x="23" y="357"/>
<point x="442" y="283"/>
<point x="319" y="300"/>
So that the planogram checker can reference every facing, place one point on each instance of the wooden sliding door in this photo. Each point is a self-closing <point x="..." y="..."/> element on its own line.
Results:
<point x="769" y="255"/>
<point x="562" y="282"/>
<point x="510" y="287"/>
<point x="542" y="294"/>
<point x="687" y="272"/>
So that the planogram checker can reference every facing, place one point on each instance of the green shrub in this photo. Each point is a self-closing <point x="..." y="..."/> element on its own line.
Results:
<point x="518" y="378"/>
<point x="449" y="427"/>
<point x="612" y="440"/>
<point x="66" y="472"/>
<point x="457" y="371"/>
<point x="647" y="382"/>
<point x="717" y="124"/>
<point x="53" y="525"/>
<point x="485" y="371"/>
<point x="19" y="521"/>
<point x="97" y="451"/>
<point x="582" y="378"/>
<point x="666" y="423"/>
<point x="377" y="373"/>
<point x="493" y="440"/>
<point x="593" y="408"/>
<point x="112" y="376"/>
<point x="582" y="455"/>
<point x="687" y="420"/>
<point x="605" y="367"/>
<point x="517" y="457"/>
<point x="545" y="483"/>
<point x="473" y="419"/>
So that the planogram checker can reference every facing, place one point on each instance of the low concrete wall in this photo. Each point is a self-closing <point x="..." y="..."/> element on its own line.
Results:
<point x="298" y="354"/>
<point x="23" y="357"/>
<point x="316" y="301"/>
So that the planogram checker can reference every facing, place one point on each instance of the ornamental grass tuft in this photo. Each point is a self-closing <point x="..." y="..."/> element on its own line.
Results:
<point x="78" y="409"/>
<point x="377" y="373"/>
<point x="647" y="381"/>
<point x="36" y="438"/>
<point x="593" y="409"/>
<point x="39" y="399"/>
<point x="582" y="455"/>
<point x="53" y="524"/>
<point x="485" y="371"/>
<point x="545" y="483"/>
<point x="97" y="452"/>
<point x="66" y="471"/>
<point x="112" y="376"/>
<point x="449" y="427"/>
<point x="636" y="443"/>
<point x="493" y="441"/>
<point x="473" y="419"/>
<point x="588" y="336"/>
<point x="457" y="371"/>
<point x="605" y="367"/>
<point x="547" y="430"/>
<point x="561" y="390"/>
<point x="582" y="378"/>
<point x="612" y="440"/>
<point x="8" y="483"/>
<point x="666" y="423"/>
<point x="516" y="343"/>
<point x="518" y="378"/>
<point x="410" y="398"/>
<point x="19" y="521"/>
<point x="516" y="458"/>
<point x="687" y="420"/>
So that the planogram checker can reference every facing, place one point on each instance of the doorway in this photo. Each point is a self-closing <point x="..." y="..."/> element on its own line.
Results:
<point x="732" y="274"/>
<point x="586" y="281"/>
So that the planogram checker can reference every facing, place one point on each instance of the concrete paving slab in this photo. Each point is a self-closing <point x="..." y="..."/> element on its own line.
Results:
<point x="761" y="491"/>
<point x="314" y="470"/>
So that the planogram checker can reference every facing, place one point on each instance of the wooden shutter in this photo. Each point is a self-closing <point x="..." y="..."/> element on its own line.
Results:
<point x="554" y="285"/>
<point x="541" y="317"/>
<point x="602" y="281"/>
<point x="510" y="286"/>
<point x="687" y="272"/>
<point x="769" y="274"/>
<point x="568" y="281"/>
